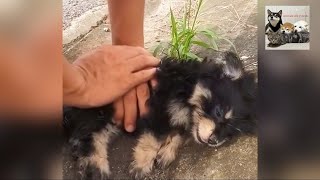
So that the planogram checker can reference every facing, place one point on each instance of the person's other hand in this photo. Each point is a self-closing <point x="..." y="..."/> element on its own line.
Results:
<point x="109" y="72"/>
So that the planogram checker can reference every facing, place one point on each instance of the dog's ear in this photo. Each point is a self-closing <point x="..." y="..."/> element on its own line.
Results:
<point x="232" y="67"/>
<point x="280" y="12"/>
<point x="269" y="12"/>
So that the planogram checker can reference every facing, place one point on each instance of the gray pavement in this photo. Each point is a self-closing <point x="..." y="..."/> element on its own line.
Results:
<point x="75" y="8"/>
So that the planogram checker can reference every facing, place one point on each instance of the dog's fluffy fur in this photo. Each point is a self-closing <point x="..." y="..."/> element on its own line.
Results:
<point x="211" y="101"/>
<point x="301" y="26"/>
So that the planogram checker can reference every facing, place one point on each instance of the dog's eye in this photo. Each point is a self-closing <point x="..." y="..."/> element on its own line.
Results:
<point x="299" y="26"/>
<point x="218" y="111"/>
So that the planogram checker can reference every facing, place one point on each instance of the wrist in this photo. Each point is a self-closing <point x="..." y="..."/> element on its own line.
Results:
<point x="74" y="86"/>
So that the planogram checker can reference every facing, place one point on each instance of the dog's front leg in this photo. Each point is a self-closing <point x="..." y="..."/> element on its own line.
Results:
<point x="144" y="155"/>
<point x="169" y="148"/>
<point x="151" y="150"/>
<point x="96" y="164"/>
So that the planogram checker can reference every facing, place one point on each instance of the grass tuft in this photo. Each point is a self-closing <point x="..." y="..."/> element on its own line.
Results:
<point x="187" y="33"/>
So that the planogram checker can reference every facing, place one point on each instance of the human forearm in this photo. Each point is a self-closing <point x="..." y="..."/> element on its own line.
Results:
<point x="126" y="18"/>
<point x="30" y="86"/>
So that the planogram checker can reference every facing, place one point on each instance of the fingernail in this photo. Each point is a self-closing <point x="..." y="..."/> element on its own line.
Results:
<point x="130" y="128"/>
<point x="153" y="69"/>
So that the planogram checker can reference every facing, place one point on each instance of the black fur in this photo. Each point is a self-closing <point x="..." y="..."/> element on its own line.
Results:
<point x="300" y="37"/>
<point x="177" y="80"/>
<point x="80" y="124"/>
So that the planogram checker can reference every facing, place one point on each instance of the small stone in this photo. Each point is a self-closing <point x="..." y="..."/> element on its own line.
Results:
<point x="244" y="57"/>
<point x="106" y="29"/>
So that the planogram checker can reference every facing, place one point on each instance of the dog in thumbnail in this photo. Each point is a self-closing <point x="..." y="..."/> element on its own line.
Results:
<point x="273" y="29"/>
<point x="287" y="30"/>
<point x="275" y="21"/>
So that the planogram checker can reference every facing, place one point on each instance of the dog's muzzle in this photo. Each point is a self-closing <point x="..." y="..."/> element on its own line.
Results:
<point x="213" y="141"/>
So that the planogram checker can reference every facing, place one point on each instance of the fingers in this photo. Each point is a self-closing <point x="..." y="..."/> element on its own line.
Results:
<point x="144" y="75"/>
<point x="118" y="111"/>
<point x="153" y="83"/>
<point x="130" y="113"/>
<point x="143" y="95"/>
<point x="142" y="62"/>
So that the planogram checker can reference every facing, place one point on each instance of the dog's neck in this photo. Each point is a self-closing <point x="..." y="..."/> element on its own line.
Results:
<point x="274" y="23"/>
<point x="275" y="27"/>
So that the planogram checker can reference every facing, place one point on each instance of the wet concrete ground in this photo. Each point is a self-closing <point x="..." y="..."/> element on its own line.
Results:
<point x="238" y="160"/>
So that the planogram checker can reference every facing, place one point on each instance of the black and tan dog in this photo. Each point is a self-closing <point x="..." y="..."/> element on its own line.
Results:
<point x="274" y="21"/>
<point x="210" y="101"/>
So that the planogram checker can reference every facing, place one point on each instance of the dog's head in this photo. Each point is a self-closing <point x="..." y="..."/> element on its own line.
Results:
<point x="287" y="28"/>
<point x="223" y="102"/>
<point x="274" y="17"/>
<point x="301" y="26"/>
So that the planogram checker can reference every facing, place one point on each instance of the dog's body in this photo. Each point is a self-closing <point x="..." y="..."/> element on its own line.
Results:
<point x="211" y="101"/>
<point x="300" y="37"/>
<point x="274" y="21"/>
<point x="273" y="29"/>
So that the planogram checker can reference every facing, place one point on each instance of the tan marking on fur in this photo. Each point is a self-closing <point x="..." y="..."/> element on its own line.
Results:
<point x="179" y="114"/>
<point x="203" y="126"/>
<point x="144" y="154"/>
<point x="206" y="127"/>
<point x="169" y="150"/>
<point x="198" y="93"/>
<point x="100" y="154"/>
<point x="228" y="115"/>
<point x="232" y="72"/>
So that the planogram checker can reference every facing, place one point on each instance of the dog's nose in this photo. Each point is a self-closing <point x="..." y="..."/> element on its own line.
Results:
<point x="213" y="139"/>
<point x="271" y="17"/>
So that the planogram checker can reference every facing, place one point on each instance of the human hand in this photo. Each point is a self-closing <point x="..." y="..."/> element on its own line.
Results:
<point x="134" y="102"/>
<point x="107" y="73"/>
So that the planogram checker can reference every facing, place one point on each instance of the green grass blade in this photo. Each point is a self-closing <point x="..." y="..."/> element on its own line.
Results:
<point x="197" y="12"/>
<point x="202" y="44"/>
<point x="173" y="24"/>
<point x="192" y="56"/>
<point x="208" y="33"/>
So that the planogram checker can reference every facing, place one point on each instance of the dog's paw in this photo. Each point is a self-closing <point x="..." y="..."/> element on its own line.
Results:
<point x="139" y="172"/>
<point x="144" y="155"/>
<point x="89" y="169"/>
<point x="165" y="157"/>
<point x="168" y="151"/>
